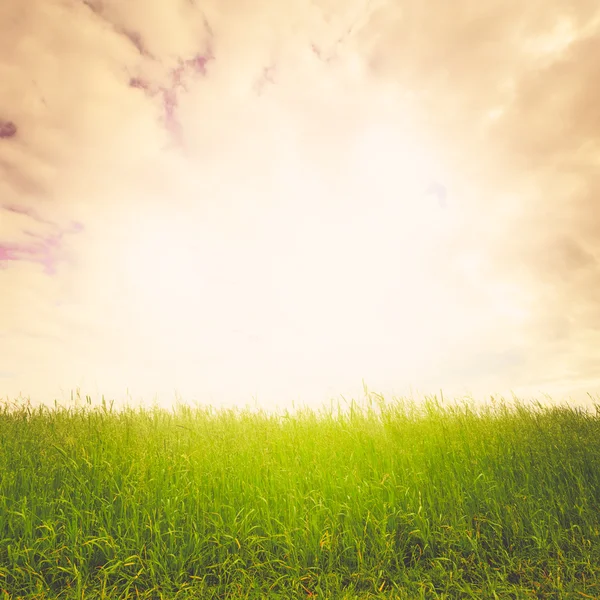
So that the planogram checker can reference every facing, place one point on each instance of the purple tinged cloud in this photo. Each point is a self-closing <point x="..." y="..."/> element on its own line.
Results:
<point x="179" y="79"/>
<point x="7" y="129"/>
<point x="26" y="211"/>
<point x="43" y="249"/>
<point x="439" y="191"/>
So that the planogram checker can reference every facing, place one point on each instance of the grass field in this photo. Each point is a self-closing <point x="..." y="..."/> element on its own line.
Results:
<point x="386" y="500"/>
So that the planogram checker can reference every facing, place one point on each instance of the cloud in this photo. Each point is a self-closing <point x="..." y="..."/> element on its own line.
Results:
<point x="7" y="129"/>
<point x="286" y="199"/>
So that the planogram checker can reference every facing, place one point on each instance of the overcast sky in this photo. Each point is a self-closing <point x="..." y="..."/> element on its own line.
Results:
<point x="279" y="200"/>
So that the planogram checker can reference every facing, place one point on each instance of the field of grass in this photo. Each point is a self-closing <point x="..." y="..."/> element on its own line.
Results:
<point x="381" y="500"/>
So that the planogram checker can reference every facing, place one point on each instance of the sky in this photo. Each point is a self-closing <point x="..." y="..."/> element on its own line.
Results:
<point x="273" y="202"/>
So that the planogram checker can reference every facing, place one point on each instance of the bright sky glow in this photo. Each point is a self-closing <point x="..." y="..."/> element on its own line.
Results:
<point x="282" y="201"/>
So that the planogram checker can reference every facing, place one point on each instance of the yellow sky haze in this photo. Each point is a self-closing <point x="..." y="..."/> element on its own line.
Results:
<point x="281" y="200"/>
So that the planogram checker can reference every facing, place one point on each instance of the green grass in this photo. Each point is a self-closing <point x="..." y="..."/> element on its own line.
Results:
<point x="386" y="500"/>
